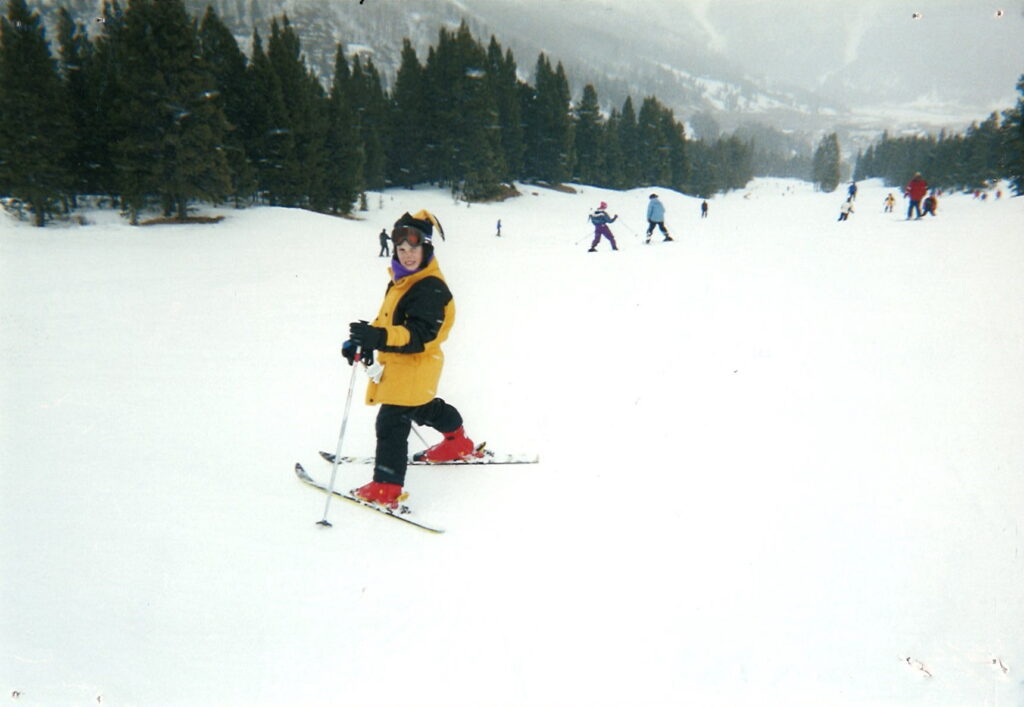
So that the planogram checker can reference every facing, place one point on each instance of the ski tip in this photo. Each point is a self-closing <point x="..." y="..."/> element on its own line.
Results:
<point x="301" y="472"/>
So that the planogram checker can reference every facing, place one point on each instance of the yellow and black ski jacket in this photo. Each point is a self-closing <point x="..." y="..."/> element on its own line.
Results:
<point x="417" y="313"/>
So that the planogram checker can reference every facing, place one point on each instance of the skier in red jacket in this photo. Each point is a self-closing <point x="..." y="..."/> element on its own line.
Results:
<point x="916" y="190"/>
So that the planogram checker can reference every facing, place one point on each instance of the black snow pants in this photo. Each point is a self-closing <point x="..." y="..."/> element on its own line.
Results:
<point x="394" y="422"/>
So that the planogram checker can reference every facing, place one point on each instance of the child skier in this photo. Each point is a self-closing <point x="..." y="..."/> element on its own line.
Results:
<point x="601" y="219"/>
<point x="845" y="210"/>
<point x="405" y="338"/>
<point x="930" y="205"/>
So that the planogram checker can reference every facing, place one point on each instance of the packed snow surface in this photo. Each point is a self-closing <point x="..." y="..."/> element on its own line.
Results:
<point x="781" y="459"/>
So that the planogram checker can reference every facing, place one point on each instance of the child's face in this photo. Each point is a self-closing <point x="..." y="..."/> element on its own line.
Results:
<point x="410" y="256"/>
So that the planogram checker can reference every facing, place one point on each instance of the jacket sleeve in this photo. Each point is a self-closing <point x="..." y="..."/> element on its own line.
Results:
<point x="418" y="317"/>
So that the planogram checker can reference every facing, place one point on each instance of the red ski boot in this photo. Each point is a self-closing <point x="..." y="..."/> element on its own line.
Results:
<point x="455" y="446"/>
<point x="380" y="493"/>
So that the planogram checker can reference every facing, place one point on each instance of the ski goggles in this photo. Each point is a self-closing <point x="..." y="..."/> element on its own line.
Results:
<point x="408" y="234"/>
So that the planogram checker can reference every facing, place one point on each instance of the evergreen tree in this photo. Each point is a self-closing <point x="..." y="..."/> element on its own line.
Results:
<point x="371" y="107"/>
<point x="504" y="87"/>
<point x="480" y="156"/>
<point x="315" y="157"/>
<point x="34" y="122"/>
<point x="270" y="141"/>
<point x="302" y="172"/>
<point x="344" y="149"/>
<point x="863" y="158"/>
<point x="705" y="178"/>
<point x="549" y="148"/>
<point x="229" y="67"/>
<point x="588" y="131"/>
<point x="463" y="147"/>
<point x="531" y="125"/>
<point x="653" y="144"/>
<point x="1013" y="126"/>
<point x="611" y="158"/>
<point x="173" y="124"/>
<point x="408" y="108"/>
<point x="438" y="77"/>
<point x="629" y="143"/>
<point x="983" y="154"/>
<point x="974" y="160"/>
<point x="725" y="164"/>
<point x="104" y="85"/>
<point x="562" y="127"/>
<point x="826" y="163"/>
<point x="736" y="162"/>
<point x="678" y="154"/>
<point x="84" y="151"/>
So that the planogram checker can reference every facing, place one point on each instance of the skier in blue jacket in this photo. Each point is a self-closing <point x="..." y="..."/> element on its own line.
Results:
<point x="656" y="217"/>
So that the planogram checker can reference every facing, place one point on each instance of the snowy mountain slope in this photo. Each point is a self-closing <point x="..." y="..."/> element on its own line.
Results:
<point x="797" y="66"/>
<point x="780" y="460"/>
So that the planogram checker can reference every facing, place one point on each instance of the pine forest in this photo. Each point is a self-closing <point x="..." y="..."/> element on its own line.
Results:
<point x="159" y="111"/>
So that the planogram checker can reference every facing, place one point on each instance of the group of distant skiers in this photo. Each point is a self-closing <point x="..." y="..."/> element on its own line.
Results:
<point x="655" y="219"/>
<point x="921" y="203"/>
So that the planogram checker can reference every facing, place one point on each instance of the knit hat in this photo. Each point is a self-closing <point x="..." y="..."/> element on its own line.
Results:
<point x="424" y="222"/>
<point x="654" y="196"/>
<point x="603" y="205"/>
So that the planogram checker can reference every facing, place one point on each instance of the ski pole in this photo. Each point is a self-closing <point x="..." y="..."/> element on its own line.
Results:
<point x="634" y="232"/>
<point x="420" y="436"/>
<point x="341" y="436"/>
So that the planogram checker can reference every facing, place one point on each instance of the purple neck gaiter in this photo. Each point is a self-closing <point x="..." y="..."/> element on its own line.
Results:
<point x="400" y="271"/>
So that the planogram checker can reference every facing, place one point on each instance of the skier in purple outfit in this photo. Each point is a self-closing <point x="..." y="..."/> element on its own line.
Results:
<point x="601" y="219"/>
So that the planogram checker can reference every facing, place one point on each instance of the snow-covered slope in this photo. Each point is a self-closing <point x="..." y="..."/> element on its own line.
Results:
<point x="781" y="460"/>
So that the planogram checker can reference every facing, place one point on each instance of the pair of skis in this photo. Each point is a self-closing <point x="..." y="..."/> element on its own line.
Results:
<point x="480" y="455"/>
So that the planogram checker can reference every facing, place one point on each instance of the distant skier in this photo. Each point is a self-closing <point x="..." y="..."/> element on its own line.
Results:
<point x="601" y="219"/>
<point x="890" y="201"/>
<point x="851" y="193"/>
<point x="931" y="204"/>
<point x="915" y="191"/>
<point x="656" y="217"/>
<point x="384" y="252"/>
<point x="845" y="210"/>
<point x="498" y="234"/>
<point x="704" y="209"/>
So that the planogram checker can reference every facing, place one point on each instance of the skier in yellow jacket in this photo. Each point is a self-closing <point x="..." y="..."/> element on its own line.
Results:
<point x="414" y="320"/>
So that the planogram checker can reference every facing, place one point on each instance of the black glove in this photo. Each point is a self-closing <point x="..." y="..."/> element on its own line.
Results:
<point x="369" y="337"/>
<point x="348" y="350"/>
